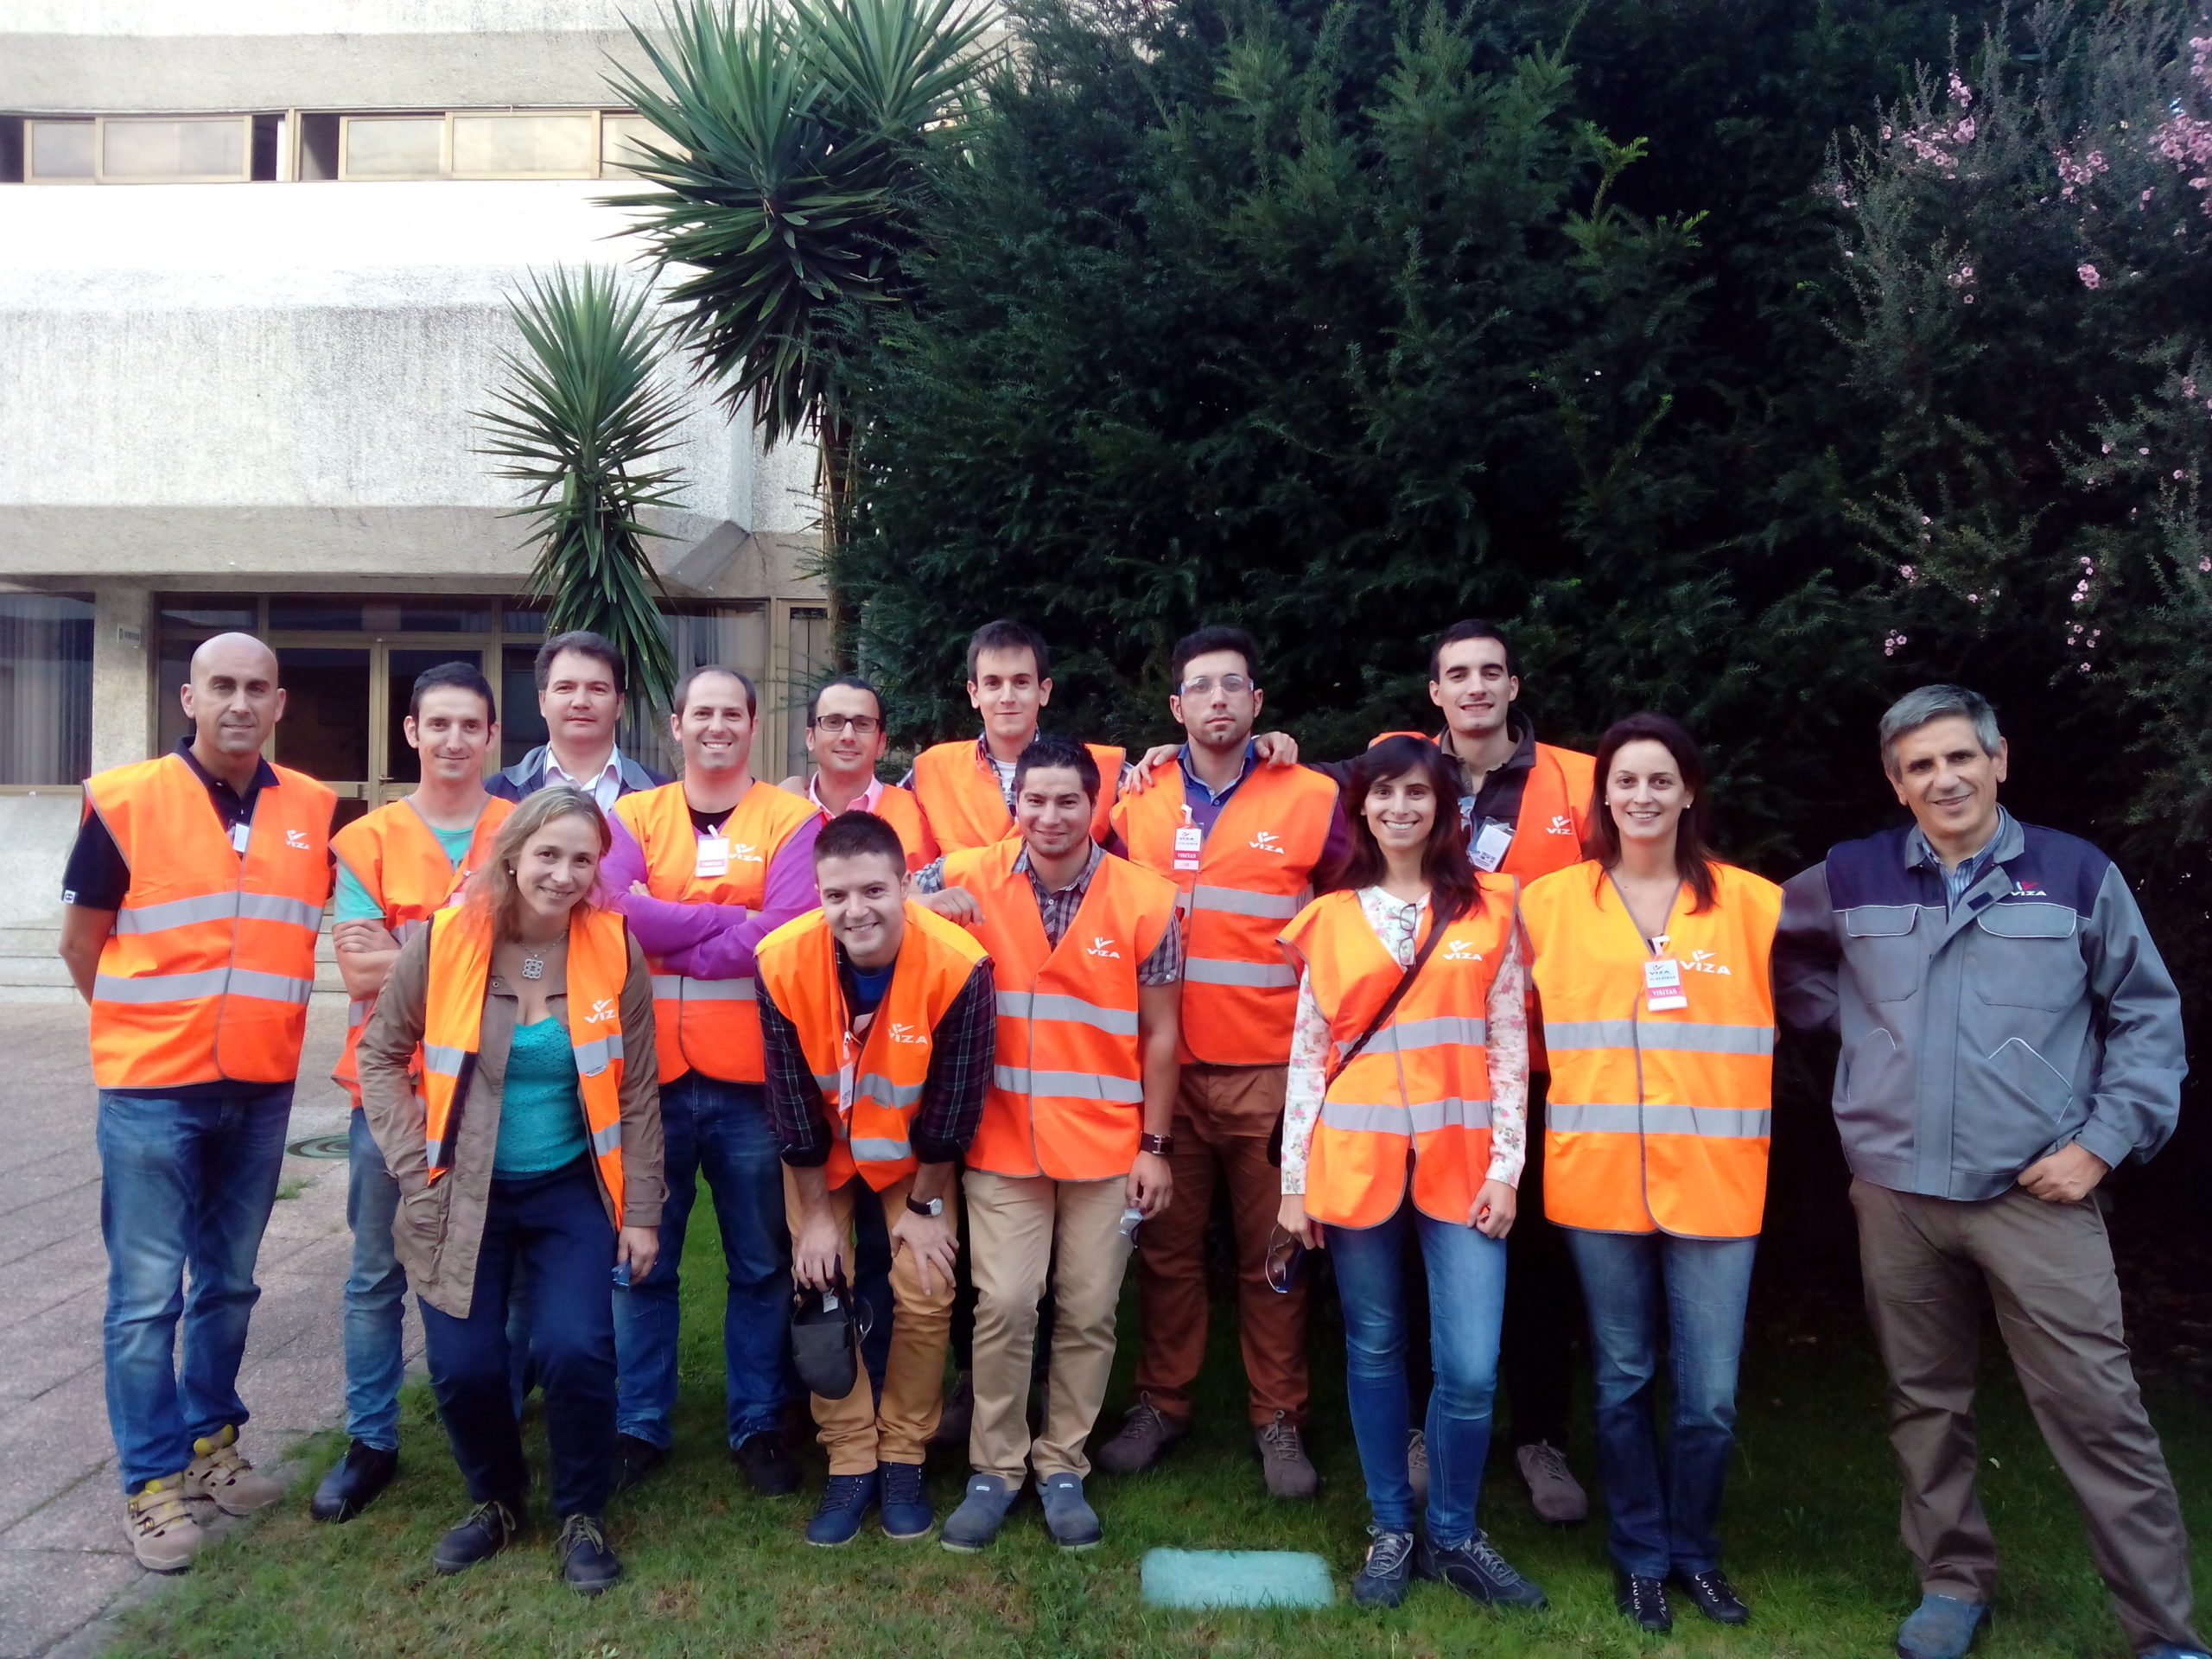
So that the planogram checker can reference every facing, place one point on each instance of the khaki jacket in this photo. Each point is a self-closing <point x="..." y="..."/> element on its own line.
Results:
<point x="438" y="1230"/>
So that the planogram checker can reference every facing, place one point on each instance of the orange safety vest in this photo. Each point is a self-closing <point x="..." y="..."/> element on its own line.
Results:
<point x="1657" y="1121"/>
<point x="898" y="807"/>
<point x="871" y="1088"/>
<point x="207" y="976"/>
<point x="708" y="1026"/>
<point x="1422" y="1082"/>
<point x="1254" y="873"/>
<point x="959" y="793"/>
<point x="399" y="860"/>
<point x="1067" y="1090"/>
<point x="1555" y="809"/>
<point x="453" y="1026"/>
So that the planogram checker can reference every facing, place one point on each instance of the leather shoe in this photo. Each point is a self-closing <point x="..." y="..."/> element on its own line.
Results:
<point x="351" y="1487"/>
<point x="490" y="1528"/>
<point x="1715" y="1597"/>
<point x="587" y="1566"/>
<point x="1644" y="1602"/>
<point x="1942" y="1627"/>
<point x="769" y="1467"/>
<point x="634" y="1458"/>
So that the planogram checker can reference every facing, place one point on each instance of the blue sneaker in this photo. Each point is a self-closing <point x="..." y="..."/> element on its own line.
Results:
<point x="907" y="1512"/>
<point x="845" y="1504"/>
<point x="1942" y="1627"/>
<point x="981" y="1514"/>
<point x="1068" y="1514"/>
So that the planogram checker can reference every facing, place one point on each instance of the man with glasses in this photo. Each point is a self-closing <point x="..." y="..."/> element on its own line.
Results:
<point x="1241" y="841"/>
<point x="846" y="734"/>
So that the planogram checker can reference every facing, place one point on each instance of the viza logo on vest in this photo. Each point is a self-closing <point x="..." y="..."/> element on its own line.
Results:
<point x="1561" y="825"/>
<point x="602" y="1012"/>
<point x="744" y="852"/>
<point x="1460" y="950"/>
<point x="1702" y="961"/>
<point x="1265" y="841"/>
<point x="1099" y="947"/>
<point x="903" y="1032"/>
<point x="296" y="839"/>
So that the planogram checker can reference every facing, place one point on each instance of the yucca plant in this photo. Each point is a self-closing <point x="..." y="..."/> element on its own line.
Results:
<point x="791" y="162"/>
<point x="580" y="423"/>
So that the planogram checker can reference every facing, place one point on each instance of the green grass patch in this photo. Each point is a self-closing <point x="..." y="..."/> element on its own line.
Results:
<point x="1810" y="1532"/>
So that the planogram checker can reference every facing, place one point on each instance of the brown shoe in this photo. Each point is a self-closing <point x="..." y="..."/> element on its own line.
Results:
<point x="219" y="1472"/>
<point x="1288" y="1471"/>
<point x="1146" y="1433"/>
<point x="163" y="1534"/>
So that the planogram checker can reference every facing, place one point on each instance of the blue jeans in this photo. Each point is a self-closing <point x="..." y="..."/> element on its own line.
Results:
<point x="375" y="1295"/>
<point x="183" y="1182"/>
<point x="1466" y="1303"/>
<point x="551" y="1234"/>
<point x="1663" y="1514"/>
<point x="721" y="1130"/>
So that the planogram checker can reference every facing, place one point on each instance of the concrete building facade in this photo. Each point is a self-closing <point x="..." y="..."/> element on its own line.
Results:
<point x="254" y="273"/>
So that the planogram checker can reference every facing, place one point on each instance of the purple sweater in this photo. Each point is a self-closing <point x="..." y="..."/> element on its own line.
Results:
<point x="710" y="941"/>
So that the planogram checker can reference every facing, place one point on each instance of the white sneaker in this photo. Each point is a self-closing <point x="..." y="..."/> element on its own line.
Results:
<point x="1553" y="1492"/>
<point x="220" y="1474"/>
<point x="163" y="1534"/>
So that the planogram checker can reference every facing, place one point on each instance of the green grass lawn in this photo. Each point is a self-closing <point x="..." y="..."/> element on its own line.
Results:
<point x="713" y="1570"/>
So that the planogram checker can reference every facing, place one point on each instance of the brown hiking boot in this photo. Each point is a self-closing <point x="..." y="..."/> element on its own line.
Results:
<point x="219" y="1472"/>
<point x="163" y="1536"/>
<point x="1289" y="1471"/>
<point x="1145" y="1433"/>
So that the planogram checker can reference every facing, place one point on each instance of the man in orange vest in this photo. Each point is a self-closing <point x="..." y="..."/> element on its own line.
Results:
<point x="1241" y="841"/>
<point x="878" y="1022"/>
<point x="192" y="898"/>
<point x="705" y="869"/>
<point x="396" y="867"/>
<point x="1073" y="1148"/>
<point x="846" y="734"/>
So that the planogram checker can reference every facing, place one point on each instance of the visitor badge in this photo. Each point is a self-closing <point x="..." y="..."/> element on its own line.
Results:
<point x="1189" y="841"/>
<point x="1663" y="985"/>
<point x="714" y="856"/>
<point x="240" y="833"/>
<point x="1490" y="846"/>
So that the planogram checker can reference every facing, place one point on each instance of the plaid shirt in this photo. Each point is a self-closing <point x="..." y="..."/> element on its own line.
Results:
<point x="962" y="1050"/>
<point x="1056" y="909"/>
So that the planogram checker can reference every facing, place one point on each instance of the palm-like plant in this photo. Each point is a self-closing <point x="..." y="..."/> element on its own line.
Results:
<point x="580" y="423"/>
<point x="792" y="166"/>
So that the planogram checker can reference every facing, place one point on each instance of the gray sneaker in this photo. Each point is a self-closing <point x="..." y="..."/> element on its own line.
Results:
<point x="981" y="1513"/>
<point x="1288" y="1471"/>
<point x="1068" y="1514"/>
<point x="1417" y="1467"/>
<point x="1146" y="1433"/>
<point x="1553" y="1492"/>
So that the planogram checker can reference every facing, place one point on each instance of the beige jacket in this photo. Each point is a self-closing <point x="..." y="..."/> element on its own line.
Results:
<point x="439" y="1228"/>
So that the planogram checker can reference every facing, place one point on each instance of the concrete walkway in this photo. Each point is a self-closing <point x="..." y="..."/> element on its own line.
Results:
<point x="63" y="1558"/>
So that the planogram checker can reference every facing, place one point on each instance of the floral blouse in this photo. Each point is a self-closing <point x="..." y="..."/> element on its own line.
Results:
<point x="1398" y="925"/>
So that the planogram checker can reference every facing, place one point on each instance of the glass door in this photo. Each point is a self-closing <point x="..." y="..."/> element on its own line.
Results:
<point x="322" y="732"/>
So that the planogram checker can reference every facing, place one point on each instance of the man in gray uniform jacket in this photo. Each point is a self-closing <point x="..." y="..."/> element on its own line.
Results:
<point x="2009" y="1035"/>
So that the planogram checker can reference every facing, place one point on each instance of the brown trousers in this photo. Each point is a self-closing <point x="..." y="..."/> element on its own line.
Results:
<point x="857" y="1432"/>
<point x="1225" y="1115"/>
<point x="2048" y="1268"/>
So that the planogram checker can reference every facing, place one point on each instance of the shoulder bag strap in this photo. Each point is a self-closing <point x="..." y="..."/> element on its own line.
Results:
<point x="1441" y="918"/>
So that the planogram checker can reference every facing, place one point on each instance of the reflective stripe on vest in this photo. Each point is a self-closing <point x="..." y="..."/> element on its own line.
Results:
<point x="1657" y="1120"/>
<point x="890" y="1062"/>
<point x="710" y="1026"/>
<point x="1067" y="1092"/>
<point x="207" y="972"/>
<point x="965" y="809"/>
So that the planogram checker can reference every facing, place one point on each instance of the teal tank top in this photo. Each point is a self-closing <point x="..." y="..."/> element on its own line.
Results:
<point x="542" y="1111"/>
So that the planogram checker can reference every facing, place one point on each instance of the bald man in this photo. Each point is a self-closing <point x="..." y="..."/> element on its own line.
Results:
<point x="192" y="901"/>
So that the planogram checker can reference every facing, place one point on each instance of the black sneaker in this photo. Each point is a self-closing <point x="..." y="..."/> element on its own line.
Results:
<point x="1387" y="1575"/>
<point x="1477" y="1571"/>
<point x="351" y="1487"/>
<point x="1644" y="1601"/>
<point x="489" y="1528"/>
<point x="587" y="1566"/>
<point x="1715" y="1597"/>
<point x="634" y="1459"/>
<point x="769" y="1467"/>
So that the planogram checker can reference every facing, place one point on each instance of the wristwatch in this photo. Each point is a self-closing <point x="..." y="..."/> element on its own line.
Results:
<point x="934" y="1207"/>
<point x="1164" y="1145"/>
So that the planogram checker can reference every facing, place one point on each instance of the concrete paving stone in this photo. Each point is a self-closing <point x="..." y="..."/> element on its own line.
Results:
<point x="47" y="1446"/>
<point x="51" y="1344"/>
<point x="86" y="1516"/>
<point x="47" y="1595"/>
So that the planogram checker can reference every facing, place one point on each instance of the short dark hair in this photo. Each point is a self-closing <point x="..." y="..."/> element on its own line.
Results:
<point x="854" y="835"/>
<point x="1444" y="863"/>
<point x="1051" y="753"/>
<point x="814" y="702"/>
<point x="462" y="676"/>
<point x="584" y="643"/>
<point x="1693" y="858"/>
<point x="682" y="692"/>
<point x="1005" y="634"/>
<point x="1471" y="628"/>
<point x="1204" y="642"/>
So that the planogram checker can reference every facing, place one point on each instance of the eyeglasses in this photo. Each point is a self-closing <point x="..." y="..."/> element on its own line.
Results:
<point x="865" y="725"/>
<point x="1231" y="683"/>
<point x="1285" y="1252"/>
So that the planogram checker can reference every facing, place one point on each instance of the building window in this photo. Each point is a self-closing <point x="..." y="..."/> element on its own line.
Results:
<point x="148" y="149"/>
<point x="45" y="687"/>
<point x="467" y="144"/>
<point x="810" y="665"/>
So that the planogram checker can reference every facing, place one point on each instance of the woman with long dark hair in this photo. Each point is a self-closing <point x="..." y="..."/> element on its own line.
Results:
<point x="1651" y="961"/>
<point x="1407" y="1090"/>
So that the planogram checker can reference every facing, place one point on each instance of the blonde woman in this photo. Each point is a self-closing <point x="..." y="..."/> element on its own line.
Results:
<point x="531" y="1162"/>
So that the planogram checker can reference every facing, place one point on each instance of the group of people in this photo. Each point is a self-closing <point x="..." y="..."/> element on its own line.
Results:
<point x="1485" y="1019"/>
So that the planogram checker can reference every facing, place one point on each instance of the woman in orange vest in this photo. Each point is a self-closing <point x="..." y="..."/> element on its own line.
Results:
<point x="1651" y="960"/>
<point x="532" y="1155"/>
<point x="1406" y="1101"/>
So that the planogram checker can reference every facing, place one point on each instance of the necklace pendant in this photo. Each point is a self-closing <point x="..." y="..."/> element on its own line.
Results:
<point x="533" y="967"/>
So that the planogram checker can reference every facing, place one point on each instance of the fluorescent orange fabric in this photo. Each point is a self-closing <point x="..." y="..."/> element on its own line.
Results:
<point x="452" y="1023"/>
<point x="1422" y="1082"/>
<point x="207" y="976"/>
<point x="960" y="796"/>
<point x="891" y="1061"/>
<point x="1657" y="1121"/>
<point x="1067" y="1093"/>
<point x="1554" y="810"/>
<point x="1256" y="872"/>
<point x="708" y="1026"/>
<point x="401" y="863"/>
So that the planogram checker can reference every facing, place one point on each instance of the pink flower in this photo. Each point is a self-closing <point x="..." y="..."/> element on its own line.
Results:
<point x="2204" y="565"/>
<point x="1961" y="94"/>
<point x="2088" y="275"/>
